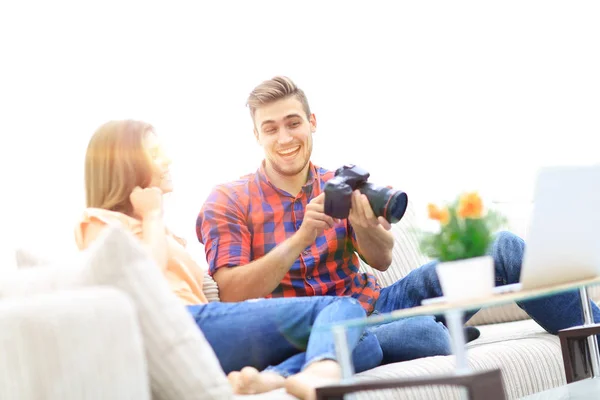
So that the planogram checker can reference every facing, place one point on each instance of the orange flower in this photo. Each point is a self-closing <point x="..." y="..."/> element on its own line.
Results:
<point x="470" y="205"/>
<point x="444" y="216"/>
<point x="437" y="214"/>
<point x="434" y="212"/>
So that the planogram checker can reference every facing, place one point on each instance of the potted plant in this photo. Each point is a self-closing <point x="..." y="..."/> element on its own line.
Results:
<point x="466" y="231"/>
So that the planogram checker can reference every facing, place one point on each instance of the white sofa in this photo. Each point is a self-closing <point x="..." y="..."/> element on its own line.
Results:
<point x="529" y="358"/>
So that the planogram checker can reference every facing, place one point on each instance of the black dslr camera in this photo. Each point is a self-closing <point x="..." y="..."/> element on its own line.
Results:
<point x="385" y="202"/>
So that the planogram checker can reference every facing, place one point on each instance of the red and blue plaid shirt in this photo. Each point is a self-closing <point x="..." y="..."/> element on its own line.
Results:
<point x="243" y="220"/>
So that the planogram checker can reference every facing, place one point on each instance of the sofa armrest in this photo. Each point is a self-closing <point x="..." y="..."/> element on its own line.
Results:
<point x="72" y="345"/>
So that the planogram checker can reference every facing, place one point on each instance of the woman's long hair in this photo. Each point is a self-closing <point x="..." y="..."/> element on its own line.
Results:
<point x="115" y="163"/>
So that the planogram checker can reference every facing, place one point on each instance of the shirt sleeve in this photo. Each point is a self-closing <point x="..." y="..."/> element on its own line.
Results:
<point x="87" y="230"/>
<point x="221" y="226"/>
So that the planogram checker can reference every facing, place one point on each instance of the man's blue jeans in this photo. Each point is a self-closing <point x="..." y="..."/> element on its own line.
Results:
<point x="265" y="332"/>
<point x="401" y="341"/>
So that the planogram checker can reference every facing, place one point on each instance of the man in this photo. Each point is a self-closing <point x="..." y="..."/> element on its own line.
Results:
<point x="266" y="235"/>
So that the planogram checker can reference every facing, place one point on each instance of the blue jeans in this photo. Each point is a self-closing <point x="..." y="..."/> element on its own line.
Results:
<point x="400" y="343"/>
<point x="267" y="332"/>
<point x="366" y="355"/>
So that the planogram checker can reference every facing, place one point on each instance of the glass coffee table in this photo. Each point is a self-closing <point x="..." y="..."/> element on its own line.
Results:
<point x="478" y="384"/>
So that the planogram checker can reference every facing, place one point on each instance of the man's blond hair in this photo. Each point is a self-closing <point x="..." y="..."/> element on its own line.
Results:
<point x="277" y="88"/>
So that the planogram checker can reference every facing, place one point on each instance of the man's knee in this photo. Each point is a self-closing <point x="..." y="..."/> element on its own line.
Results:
<point x="506" y="241"/>
<point x="507" y="237"/>
<point x="427" y="274"/>
<point x="368" y="353"/>
<point x="351" y="307"/>
<point x="413" y="338"/>
<point x="430" y="338"/>
<point x="508" y="250"/>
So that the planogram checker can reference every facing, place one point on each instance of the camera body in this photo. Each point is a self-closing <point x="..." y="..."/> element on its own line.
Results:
<point x="385" y="202"/>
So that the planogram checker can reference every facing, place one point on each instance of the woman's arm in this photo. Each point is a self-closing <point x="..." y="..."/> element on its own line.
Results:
<point x="147" y="205"/>
<point x="154" y="236"/>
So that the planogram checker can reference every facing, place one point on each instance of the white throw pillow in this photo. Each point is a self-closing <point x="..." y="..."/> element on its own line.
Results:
<point x="181" y="363"/>
<point x="72" y="345"/>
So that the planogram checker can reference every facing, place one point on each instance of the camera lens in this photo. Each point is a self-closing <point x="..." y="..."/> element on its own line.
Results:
<point x="386" y="202"/>
<point x="396" y="207"/>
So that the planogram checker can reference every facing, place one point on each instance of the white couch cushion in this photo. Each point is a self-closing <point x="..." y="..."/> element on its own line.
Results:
<point x="530" y="360"/>
<point x="64" y="346"/>
<point x="181" y="363"/>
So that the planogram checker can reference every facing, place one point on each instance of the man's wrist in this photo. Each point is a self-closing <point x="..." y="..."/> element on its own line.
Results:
<point x="297" y="243"/>
<point x="362" y="231"/>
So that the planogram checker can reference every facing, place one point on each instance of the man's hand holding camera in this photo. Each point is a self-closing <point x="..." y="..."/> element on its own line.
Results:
<point x="367" y="206"/>
<point x="361" y="214"/>
<point x="315" y="221"/>
<point x="374" y="243"/>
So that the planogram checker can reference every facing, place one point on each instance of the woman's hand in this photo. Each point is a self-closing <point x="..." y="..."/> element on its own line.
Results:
<point x="146" y="201"/>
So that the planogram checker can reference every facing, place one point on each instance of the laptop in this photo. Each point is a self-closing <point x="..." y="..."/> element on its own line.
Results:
<point x="563" y="242"/>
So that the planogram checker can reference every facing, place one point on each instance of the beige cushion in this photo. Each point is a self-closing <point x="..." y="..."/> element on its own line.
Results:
<point x="498" y="314"/>
<point x="529" y="358"/>
<point x="181" y="363"/>
<point x="72" y="345"/>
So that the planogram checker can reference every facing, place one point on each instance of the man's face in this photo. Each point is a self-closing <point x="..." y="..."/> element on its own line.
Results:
<point x="285" y="133"/>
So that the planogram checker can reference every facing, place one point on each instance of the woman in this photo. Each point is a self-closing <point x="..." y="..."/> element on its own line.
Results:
<point x="126" y="175"/>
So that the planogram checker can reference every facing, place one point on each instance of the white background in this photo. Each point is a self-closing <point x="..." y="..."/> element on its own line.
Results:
<point x="433" y="97"/>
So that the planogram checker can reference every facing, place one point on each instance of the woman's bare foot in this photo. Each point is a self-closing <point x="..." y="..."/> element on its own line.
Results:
<point x="321" y="373"/>
<point x="234" y="380"/>
<point x="250" y="381"/>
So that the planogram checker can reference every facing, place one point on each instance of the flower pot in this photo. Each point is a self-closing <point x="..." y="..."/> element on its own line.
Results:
<point x="470" y="278"/>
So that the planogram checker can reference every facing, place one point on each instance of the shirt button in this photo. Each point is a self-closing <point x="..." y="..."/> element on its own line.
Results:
<point x="306" y="252"/>
<point x="309" y="277"/>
